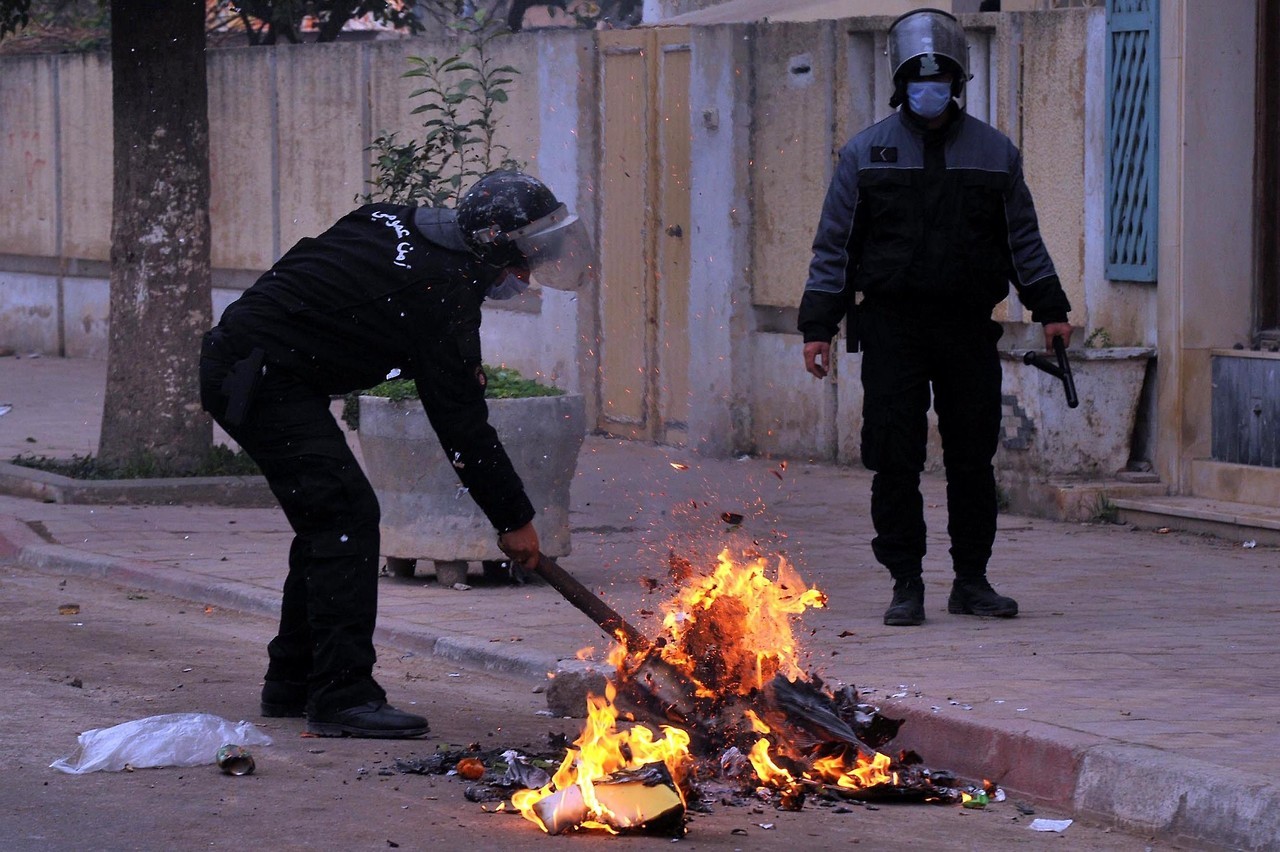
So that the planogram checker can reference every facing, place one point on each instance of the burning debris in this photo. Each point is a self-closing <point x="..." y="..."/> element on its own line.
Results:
<point x="738" y="715"/>
<point x="613" y="779"/>
<point x="740" y="721"/>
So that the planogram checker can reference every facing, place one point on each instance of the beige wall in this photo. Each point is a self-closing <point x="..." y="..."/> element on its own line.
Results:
<point x="242" y="211"/>
<point x="28" y="146"/>
<point x="85" y="161"/>
<point x="1206" y="286"/>
<point x="769" y="106"/>
<point x="795" y="83"/>
<point x="1054" y="53"/>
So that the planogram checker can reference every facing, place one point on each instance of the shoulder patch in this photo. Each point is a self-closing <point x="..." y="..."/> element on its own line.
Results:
<point x="884" y="154"/>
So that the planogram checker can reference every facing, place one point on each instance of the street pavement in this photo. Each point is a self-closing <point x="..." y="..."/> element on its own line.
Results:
<point x="1138" y="687"/>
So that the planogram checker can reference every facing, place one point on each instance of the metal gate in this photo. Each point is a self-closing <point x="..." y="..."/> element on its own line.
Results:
<point x="644" y="296"/>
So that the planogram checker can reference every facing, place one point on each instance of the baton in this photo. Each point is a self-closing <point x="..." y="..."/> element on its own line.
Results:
<point x="1060" y="370"/>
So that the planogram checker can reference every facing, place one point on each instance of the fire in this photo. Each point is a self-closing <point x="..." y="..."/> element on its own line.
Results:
<point x="865" y="772"/>
<point x="769" y="773"/>
<point x="601" y="751"/>
<point x="731" y="630"/>
<point x="725" y="667"/>
<point x="833" y="769"/>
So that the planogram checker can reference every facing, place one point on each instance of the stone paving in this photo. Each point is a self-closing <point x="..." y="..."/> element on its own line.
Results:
<point x="1139" y="685"/>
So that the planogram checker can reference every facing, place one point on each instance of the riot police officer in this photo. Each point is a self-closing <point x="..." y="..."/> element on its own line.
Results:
<point x="929" y="219"/>
<point x="386" y="288"/>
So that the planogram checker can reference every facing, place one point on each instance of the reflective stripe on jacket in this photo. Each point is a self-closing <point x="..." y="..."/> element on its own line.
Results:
<point x="928" y="222"/>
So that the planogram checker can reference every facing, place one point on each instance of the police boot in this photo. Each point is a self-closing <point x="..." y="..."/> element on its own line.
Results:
<point x="974" y="596"/>
<point x="374" y="719"/>
<point x="907" y="607"/>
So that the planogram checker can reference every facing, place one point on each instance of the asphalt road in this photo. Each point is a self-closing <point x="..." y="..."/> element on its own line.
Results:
<point x="127" y="655"/>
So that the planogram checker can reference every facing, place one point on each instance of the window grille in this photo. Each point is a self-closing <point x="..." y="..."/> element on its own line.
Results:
<point x="1133" y="93"/>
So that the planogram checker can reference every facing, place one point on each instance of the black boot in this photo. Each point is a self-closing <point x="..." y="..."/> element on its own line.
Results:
<point x="974" y="596"/>
<point x="907" y="607"/>
<point x="375" y="719"/>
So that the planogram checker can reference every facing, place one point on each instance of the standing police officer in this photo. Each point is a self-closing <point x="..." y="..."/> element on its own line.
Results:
<point x="386" y="288"/>
<point x="928" y="217"/>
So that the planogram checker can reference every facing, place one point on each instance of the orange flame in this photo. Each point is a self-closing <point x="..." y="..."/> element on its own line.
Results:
<point x="602" y="750"/>
<point x="769" y="773"/>
<point x="731" y="629"/>
<point x="865" y="772"/>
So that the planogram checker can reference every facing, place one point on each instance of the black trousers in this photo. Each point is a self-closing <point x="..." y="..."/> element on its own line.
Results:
<point x="905" y="362"/>
<point x="329" y="607"/>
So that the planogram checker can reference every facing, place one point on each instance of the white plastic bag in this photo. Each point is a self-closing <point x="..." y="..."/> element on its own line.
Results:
<point x="174" y="739"/>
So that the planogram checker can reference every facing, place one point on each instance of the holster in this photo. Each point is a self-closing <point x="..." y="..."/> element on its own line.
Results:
<point x="852" y="340"/>
<point x="240" y="384"/>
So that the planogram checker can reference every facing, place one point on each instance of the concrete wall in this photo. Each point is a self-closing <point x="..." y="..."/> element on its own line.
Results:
<point x="288" y="132"/>
<point x="722" y="327"/>
<point x="1206" y="288"/>
<point x="770" y="104"/>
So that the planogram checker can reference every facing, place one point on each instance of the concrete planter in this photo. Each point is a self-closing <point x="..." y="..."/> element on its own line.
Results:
<point x="1046" y="443"/>
<point x="425" y="512"/>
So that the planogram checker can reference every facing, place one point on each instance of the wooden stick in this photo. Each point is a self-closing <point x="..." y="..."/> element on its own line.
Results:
<point x="595" y="609"/>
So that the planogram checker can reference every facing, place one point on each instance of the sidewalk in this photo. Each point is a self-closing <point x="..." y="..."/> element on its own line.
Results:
<point x="1139" y="685"/>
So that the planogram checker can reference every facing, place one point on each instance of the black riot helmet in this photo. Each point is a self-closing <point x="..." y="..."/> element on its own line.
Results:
<point x="923" y="43"/>
<point x="509" y="218"/>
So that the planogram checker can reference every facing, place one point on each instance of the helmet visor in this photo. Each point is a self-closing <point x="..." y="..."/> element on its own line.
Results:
<point x="927" y="34"/>
<point x="557" y="248"/>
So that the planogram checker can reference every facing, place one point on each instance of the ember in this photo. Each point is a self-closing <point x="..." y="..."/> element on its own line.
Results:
<point x="725" y="677"/>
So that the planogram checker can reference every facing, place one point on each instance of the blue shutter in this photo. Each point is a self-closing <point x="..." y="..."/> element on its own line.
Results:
<point x="1133" y="96"/>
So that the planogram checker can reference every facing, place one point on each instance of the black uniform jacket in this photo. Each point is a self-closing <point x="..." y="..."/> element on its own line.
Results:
<point x="371" y="295"/>
<point x="929" y="223"/>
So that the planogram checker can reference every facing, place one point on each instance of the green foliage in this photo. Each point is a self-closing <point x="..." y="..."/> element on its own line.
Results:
<point x="1104" y="511"/>
<point x="14" y="15"/>
<point x="506" y="383"/>
<point x="503" y="383"/>
<point x="76" y="26"/>
<point x="278" y="21"/>
<point x="461" y="97"/>
<point x="221" y="461"/>
<point x="1099" y="338"/>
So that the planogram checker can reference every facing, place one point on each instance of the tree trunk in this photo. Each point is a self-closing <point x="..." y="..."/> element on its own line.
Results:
<point x="160" y="281"/>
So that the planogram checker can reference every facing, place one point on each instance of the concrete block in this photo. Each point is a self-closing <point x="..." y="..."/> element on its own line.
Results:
<point x="573" y="681"/>
<point x="450" y="573"/>
<point x="427" y="514"/>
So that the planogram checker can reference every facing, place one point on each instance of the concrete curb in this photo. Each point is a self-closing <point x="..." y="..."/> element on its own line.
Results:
<point x="1126" y="786"/>
<point x="232" y="491"/>
<point x="1129" y="786"/>
<point x="1114" y="784"/>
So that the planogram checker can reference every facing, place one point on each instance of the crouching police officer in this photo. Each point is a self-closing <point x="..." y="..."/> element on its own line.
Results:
<point x="929" y="218"/>
<point x="388" y="287"/>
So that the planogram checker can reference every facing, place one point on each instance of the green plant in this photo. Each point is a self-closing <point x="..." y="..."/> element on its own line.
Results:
<point x="1104" y="511"/>
<point x="463" y="94"/>
<point x="1099" y="338"/>
<point x="502" y="383"/>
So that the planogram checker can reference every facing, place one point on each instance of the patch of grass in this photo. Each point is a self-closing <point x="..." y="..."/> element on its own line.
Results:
<point x="503" y="383"/>
<point x="221" y="461"/>
<point x="1104" y="511"/>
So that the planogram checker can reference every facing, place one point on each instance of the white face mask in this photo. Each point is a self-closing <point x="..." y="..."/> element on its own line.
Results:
<point x="507" y="287"/>
<point x="928" y="98"/>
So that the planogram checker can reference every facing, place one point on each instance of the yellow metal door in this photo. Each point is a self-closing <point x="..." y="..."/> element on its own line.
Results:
<point x="644" y="298"/>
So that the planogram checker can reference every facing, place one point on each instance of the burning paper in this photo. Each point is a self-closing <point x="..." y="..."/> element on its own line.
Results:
<point x="597" y="785"/>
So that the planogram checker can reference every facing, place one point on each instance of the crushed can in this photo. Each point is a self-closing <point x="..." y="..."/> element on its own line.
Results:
<point x="235" y="760"/>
